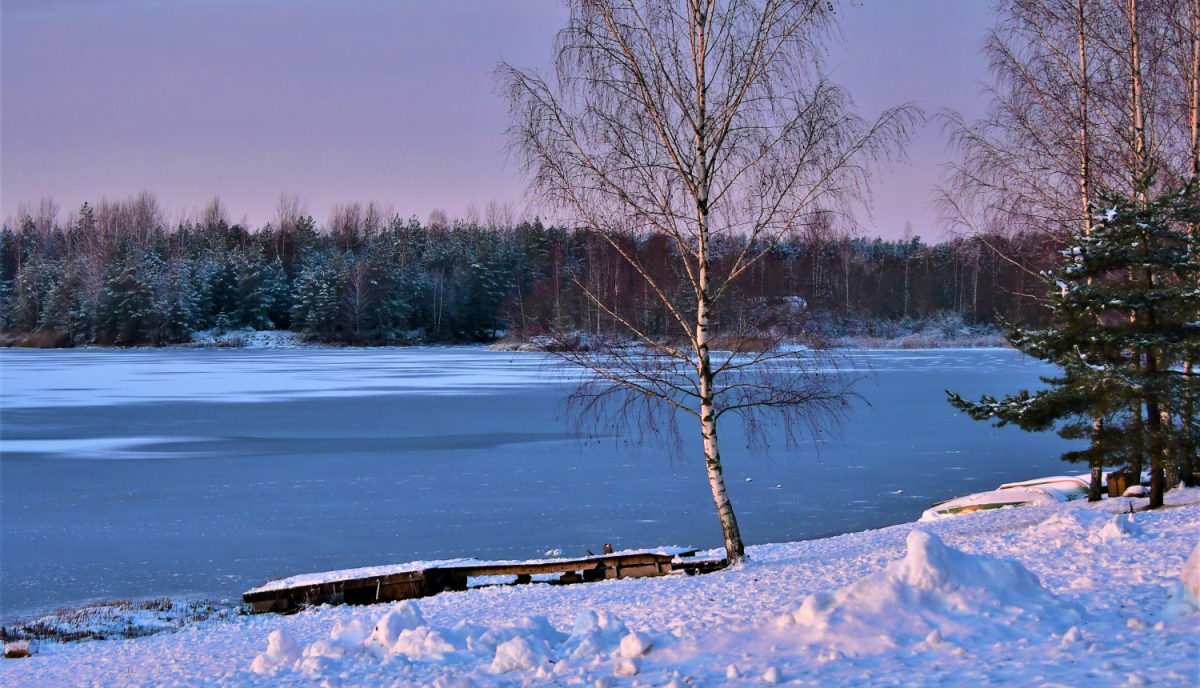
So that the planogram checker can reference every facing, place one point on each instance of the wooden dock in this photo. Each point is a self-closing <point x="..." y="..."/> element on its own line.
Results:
<point x="422" y="579"/>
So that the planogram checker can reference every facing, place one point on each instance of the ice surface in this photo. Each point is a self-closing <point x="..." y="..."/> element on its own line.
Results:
<point x="93" y="377"/>
<point x="273" y="463"/>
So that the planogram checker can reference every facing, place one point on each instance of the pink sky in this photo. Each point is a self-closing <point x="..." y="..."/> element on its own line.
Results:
<point x="386" y="100"/>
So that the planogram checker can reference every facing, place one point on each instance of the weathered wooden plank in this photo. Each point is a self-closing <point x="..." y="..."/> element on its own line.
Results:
<point x="565" y="565"/>
<point x="388" y="584"/>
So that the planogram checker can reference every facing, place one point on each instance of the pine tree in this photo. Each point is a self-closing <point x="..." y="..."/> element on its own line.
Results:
<point x="1123" y="303"/>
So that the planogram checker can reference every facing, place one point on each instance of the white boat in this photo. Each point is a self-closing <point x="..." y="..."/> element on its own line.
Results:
<point x="1051" y="490"/>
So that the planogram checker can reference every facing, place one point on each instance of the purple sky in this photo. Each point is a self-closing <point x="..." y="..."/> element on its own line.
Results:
<point x="387" y="100"/>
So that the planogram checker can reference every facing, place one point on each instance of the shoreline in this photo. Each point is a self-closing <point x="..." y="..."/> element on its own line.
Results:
<point x="1120" y="585"/>
<point x="848" y="344"/>
<point x="225" y="607"/>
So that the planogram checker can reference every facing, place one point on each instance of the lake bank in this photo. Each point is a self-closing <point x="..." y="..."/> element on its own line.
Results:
<point x="1100" y="609"/>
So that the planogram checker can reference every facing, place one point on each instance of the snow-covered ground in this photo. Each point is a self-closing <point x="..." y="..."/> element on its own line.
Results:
<point x="1054" y="595"/>
<point x="249" y="339"/>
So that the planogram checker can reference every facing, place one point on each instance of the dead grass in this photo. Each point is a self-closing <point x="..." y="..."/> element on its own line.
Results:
<point x="42" y="339"/>
<point x="926" y="341"/>
<point x="117" y="619"/>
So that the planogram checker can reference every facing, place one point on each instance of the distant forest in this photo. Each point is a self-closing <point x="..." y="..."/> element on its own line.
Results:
<point x="118" y="273"/>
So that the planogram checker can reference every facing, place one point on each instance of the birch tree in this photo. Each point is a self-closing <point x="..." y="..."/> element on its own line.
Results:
<point x="710" y="123"/>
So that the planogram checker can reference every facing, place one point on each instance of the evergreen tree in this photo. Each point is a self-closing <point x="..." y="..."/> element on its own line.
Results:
<point x="33" y="291"/>
<point x="221" y="291"/>
<point x="126" y="304"/>
<point x="177" y="305"/>
<point x="316" y="300"/>
<point x="1123" y="303"/>
<point x="68" y="312"/>
<point x="257" y="291"/>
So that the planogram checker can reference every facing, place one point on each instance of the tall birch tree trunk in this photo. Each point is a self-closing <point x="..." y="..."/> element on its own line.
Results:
<point x="704" y="122"/>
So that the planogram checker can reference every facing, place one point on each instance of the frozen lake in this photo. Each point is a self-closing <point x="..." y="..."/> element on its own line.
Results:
<point x="207" y="472"/>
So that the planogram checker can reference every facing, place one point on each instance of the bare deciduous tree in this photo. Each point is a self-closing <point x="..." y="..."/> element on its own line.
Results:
<point x="710" y="123"/>
<point x="1085" y="96"/>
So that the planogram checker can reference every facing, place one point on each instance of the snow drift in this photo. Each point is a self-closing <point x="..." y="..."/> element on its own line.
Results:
<point x="1096" y="527"/>
<point x="935" y="594"/>
<point x="403" y="635"/>
<point x="1184" y="595"/>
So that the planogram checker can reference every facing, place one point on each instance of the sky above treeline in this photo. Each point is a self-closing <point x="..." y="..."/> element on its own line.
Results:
<point x="358" y="100"/>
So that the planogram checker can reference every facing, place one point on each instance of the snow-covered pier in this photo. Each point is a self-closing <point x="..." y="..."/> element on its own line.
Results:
<point x="374" y="584"/>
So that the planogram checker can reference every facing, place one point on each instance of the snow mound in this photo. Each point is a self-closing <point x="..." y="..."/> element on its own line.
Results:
<point x="405" y="617"/>
<point x="402" y="635"/>
<point x="1097" y="527"/>
<point x="282" y="652"/>
<point x="1121" y="527"/>
<point x="635" y="645"/>
<point x="1184" y="594"/>
<point x="1071" y="523"/>
<point x="1190" y="576"/>
<point x="594" y="633"/>
<point x="517" y="654"/>
<point x="346" y="638"/>
<point x="935" y="592"/>
<point x="247" y="338"/>
<point x="422" y="642"/>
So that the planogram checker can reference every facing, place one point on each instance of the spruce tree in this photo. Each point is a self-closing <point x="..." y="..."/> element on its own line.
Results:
<point x="1123" y="302"/>
<point x="126" y="303"/>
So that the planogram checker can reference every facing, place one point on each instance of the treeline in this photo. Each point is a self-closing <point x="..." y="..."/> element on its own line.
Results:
<point x="118" y="273"/>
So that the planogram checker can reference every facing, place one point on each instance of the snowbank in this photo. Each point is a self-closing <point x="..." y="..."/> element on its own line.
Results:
<point x="1184" y="594"/>
<point x="1096" y="527"/>
<point x="1057" y="594"/>
<point x="247" y="339"/>
<point x="936" y="593"/>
